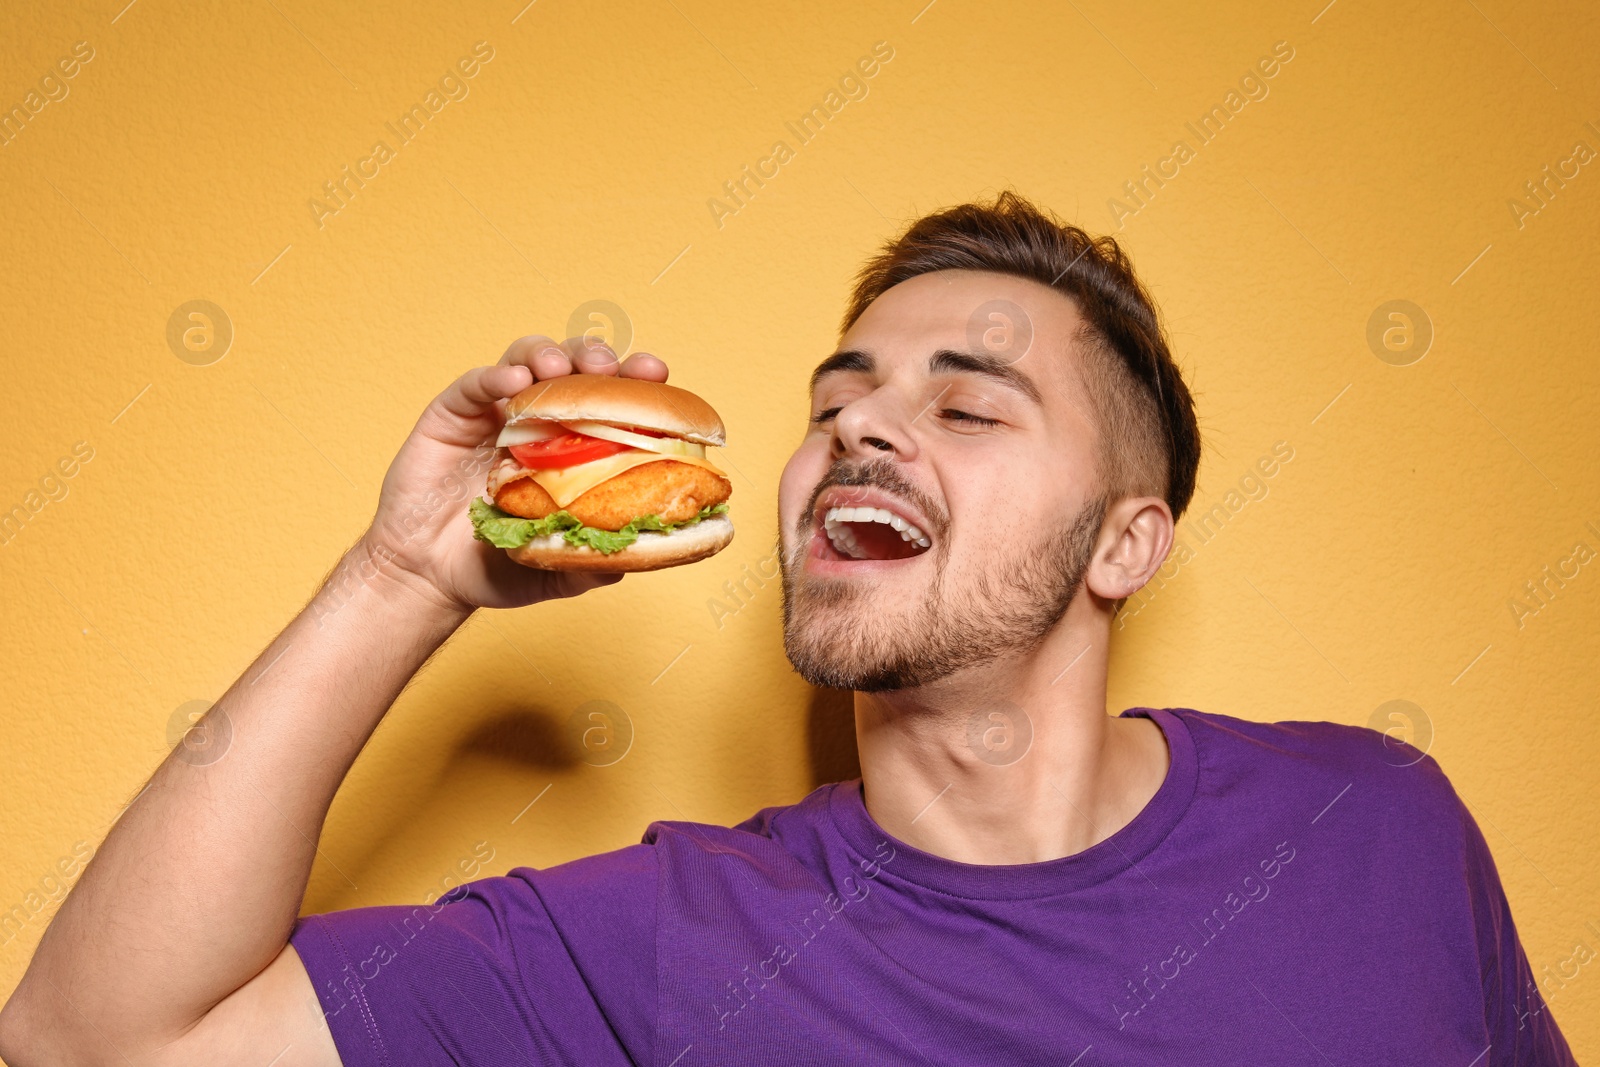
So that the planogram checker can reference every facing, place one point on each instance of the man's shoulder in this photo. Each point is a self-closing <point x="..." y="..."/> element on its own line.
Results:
<point x="756" y="832"/>
<point x="1312" y="756"/>
<point x="773" y="840"/>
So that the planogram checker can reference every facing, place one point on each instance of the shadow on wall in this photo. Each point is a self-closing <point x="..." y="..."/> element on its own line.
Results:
<point x="831" y="736"/>
<point x="539" y="740"/>
<point x="523" y="736"/>
<point x="497" y="772"/>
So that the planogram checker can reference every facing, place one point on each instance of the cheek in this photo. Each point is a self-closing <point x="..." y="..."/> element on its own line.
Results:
<point x="1012" y="498"/>
<point x="800" y="476"/>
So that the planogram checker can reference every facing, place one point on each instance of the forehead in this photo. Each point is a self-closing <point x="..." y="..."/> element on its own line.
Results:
<point x="1025" y="322"/>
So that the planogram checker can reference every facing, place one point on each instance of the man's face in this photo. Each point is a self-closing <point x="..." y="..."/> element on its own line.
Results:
<point x="1008" y="510"/>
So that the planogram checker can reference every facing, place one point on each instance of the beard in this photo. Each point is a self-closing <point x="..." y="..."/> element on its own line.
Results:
<point x="840" y="633"/>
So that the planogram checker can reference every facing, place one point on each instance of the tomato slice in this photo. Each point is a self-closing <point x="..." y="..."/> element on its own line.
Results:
<point x="568" y="450"/>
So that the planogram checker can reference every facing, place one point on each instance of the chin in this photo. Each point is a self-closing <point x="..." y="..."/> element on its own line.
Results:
<point x="875" y="625"/>
<point x="839" y="635"/>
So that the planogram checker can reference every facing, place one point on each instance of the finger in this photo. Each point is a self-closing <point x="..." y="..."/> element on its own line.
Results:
<point x="571" y="583"/>
<point x="523" y="348"/>
<point x="551" y="363"/>
<point x="590" y="356"/>
<point x="474" y="393"/>
<point x="539" y="353"/>
<point x="644" y="365"/>
<point x="531" y="585"/>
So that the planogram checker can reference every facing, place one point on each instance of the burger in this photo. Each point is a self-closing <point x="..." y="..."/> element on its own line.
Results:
<point x="600" y="473"/>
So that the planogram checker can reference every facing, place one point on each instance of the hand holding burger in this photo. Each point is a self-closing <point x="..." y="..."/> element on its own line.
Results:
<point x="602" y="473"/>
<point x="420" y="545"/>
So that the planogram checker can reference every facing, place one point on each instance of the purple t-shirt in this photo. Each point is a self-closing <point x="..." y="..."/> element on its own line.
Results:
<point x="1291" y="895"/>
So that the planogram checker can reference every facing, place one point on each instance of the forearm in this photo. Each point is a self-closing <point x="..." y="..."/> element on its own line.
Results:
<point x="199" y="883"/>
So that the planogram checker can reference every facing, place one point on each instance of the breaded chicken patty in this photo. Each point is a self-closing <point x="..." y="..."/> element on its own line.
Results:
<point x="670" y="490"/>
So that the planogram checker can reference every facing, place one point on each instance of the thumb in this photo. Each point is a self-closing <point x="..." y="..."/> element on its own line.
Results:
<point x="573" y="583"/>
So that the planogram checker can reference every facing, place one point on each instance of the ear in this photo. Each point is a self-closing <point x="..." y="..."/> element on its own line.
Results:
<point x="1135" y="538"/>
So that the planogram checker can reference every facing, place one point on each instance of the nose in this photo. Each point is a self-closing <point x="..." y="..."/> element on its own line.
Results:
<point x="869" y="427"/>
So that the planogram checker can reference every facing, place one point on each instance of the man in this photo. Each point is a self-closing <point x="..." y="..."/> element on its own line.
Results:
<point x="1017" y="877"/>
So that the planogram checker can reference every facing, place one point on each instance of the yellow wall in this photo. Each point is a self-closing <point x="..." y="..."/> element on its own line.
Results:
<point x="1380" y="565"/>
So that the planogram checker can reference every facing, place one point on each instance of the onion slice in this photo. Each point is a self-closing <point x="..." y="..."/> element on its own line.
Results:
<point x="526" y="433"/>
<point x="670" y="446"/>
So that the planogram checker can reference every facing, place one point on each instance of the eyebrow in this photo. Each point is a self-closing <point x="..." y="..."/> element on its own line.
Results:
<point x="848" y="360"/>
<point x="944" y="361"/>
<point x="985" y="365"/>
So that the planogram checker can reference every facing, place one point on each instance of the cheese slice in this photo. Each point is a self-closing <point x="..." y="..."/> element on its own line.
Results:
<point x="568" y="484"/>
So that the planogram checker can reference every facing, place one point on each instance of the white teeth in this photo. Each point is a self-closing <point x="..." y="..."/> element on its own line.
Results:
<point x="835" y="519"/>
<point x="883" y="515"/>
<point x="845" y="542"/>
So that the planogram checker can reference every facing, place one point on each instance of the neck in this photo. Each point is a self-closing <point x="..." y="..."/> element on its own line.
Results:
<point x="1015" y="761"/>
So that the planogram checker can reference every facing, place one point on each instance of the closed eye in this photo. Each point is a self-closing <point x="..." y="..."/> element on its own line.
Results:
<point x="962" y="416"/>
<point x="954" y="415"/>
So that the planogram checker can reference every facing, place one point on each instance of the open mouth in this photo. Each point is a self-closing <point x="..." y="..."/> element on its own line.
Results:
<point x="871" y="531"/>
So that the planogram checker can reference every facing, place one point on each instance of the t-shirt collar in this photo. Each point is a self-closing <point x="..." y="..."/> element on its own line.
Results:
<point x="1120" y="852"/>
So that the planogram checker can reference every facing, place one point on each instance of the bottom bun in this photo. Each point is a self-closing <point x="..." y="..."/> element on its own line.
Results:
<point x="651" y="552"/>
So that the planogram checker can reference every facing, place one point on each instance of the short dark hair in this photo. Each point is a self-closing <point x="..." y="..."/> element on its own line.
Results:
<point x="1149" y="435"/>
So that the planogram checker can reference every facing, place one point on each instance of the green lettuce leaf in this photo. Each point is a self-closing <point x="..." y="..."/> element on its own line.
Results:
<point x="501" y="530"/>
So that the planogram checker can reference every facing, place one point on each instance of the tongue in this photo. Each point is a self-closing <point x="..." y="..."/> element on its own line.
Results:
<point x="879" y="540"/>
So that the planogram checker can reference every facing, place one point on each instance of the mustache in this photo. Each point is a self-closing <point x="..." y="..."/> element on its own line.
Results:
<point x="878" y="474"/>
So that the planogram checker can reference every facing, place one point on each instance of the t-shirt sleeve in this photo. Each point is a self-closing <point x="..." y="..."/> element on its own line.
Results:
<point x="487" y="974"/>
<point x="1521" y="1030"/>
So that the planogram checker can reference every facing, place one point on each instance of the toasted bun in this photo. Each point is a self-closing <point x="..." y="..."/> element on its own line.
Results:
<point x="619" y="402"/>
<point x="651" y="552"/>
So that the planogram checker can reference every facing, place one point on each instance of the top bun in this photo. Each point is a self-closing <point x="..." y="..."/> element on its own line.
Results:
<point x="619" y="402"/>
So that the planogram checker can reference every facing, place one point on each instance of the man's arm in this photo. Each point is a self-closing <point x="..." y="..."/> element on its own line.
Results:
<point x="175" y="937"/>
<point x="1520" y="1029"/>
<point x="197" y="887"/>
